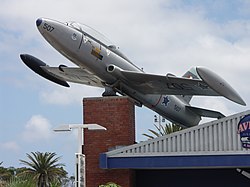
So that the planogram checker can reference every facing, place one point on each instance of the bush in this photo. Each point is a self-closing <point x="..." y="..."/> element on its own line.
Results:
<point x="109" y="184"/>
<point x="20" y="182"/>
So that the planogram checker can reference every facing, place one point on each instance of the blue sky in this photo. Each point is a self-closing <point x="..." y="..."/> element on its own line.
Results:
<point x="162" y="36"/>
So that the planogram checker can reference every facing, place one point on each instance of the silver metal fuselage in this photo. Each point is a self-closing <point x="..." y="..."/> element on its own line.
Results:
<point x="78" y="45"/>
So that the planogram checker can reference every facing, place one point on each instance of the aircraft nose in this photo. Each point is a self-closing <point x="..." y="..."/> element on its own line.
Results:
<point x="38" y="22"/>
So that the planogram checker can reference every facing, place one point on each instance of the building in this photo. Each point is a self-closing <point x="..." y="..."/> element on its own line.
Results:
<point x="210" y="154"/>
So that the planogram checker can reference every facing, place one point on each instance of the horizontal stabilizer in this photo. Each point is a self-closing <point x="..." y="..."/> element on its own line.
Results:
<point x="205" y="112"/>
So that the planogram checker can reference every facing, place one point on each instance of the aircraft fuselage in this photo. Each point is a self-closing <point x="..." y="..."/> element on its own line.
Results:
<point x="96" y="55"/>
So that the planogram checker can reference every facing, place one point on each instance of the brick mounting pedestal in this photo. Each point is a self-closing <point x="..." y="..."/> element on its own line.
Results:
<point x="117" y="114"/>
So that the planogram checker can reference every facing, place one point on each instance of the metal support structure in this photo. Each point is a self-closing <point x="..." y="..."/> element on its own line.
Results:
<point x="80" y="173"/>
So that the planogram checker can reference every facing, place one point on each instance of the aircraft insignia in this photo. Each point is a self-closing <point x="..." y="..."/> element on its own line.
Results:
<point x="165" y="101"/>
<point x="96" y="52"/>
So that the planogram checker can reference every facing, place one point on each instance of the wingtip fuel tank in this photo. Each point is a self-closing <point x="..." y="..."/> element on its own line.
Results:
<point x="219" y="85"/>
<point x="36" y="65"/>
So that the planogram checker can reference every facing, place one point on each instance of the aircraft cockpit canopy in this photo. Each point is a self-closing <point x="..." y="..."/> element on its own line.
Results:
<point x="91" y="33"/>
<point x="95" y="35"/>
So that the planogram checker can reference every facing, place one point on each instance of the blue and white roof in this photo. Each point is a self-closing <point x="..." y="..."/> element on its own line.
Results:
<point x="214" y="144"/>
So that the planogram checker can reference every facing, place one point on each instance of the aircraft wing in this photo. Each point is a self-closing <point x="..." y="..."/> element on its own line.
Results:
<point x="62" y="73"/>
<point x="169" y="85"/>
<point x="74" y="74"/>
<point x="207" y="83"/>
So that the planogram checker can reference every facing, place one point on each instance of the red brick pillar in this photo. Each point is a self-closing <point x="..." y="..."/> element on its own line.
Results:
<point x="117" y="114"/>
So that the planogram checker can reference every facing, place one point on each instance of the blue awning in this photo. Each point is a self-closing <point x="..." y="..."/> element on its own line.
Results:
<point x="175" y="162"/>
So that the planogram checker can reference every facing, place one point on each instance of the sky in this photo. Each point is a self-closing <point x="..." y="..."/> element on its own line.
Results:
<point x="161" y="36"/>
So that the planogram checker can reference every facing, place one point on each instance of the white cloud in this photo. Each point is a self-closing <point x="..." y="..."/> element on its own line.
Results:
<point x="10" y="146"/>
<point x="161" y="36"/>
<point x="170" y="34"/>
<point x="66" y="96"/>
<point x="37" y="128"/>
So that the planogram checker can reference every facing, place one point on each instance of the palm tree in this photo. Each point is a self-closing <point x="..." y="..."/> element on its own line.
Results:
<point x="43" y="168"/>
<point x="163" y="130"/>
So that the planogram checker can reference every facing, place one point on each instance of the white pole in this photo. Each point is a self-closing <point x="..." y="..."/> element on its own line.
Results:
<point x="80" y="161"/>
<point x="80" y="174"/>
<point x="80" y="139"/>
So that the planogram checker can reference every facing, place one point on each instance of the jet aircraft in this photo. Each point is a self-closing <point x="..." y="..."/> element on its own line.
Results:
<point x="101" y="64"/>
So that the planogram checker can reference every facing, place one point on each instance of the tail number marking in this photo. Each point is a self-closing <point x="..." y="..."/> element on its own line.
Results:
<point x="177" y="108"/>
<point x="48" y="27"/>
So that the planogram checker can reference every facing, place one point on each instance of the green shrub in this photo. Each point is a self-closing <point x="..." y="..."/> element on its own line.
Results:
<point x="20" y="182"/>
<point x="109" y="184"/>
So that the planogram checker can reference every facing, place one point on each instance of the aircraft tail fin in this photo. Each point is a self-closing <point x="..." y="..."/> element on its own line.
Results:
<point x="192" y="74"/>
<point x="206" y="113"/>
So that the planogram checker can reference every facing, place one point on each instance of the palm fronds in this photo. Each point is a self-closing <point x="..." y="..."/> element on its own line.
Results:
<point x="43" y="168"/>
<point x="162" y="130"/>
